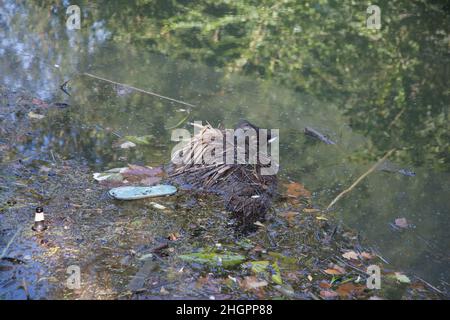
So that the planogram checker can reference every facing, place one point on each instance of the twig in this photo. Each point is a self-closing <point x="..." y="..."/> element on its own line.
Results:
<point x="5" y="250"/>
<point x="180" y="122"/>
<point x="25" y="288"/>
<point x="430" y="285"/>
<point x="360" y="178"/>
<point x="396" y="118"/>
<point x="140" y="90"/>
<point x="312" y="295"/>
<point x="53" y="156"/>
<point x="349" y="265"/>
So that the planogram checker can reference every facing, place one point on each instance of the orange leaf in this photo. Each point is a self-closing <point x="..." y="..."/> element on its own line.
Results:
<point x="289" y="215"/>
<point x="251" y="282"/>
<point x="366" y="255"/>
<point x="310" y="210"/>
<point x="324" y="285"/>
<point x="338" y="268"/>
<point x="351" y="255"/>
<point x="346" y="289"/>
<point x="332" y="271"/>
<point x="328" y="294"/>
<point x="295" y="190"/>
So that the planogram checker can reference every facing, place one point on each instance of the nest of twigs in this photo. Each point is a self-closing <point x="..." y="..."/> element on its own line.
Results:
<point x="246" y="192"/>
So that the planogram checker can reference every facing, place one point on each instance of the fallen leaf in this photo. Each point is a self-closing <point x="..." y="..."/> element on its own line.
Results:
<point x="259" y="224"/>
<point x="276" y="274"/>
<point x="157" y="206"/>
<point x="201" y="281"/>
<point x="144" y="140"/>
<point x="338" y="267"/>
<point x="310" y="278"/>
<point x="295" y="190"/>
<point x="402" y="278"/>
<point x="328" y="294"/>
<point x="259" y="266"/>
<point x="136" y="170"/>
<point x="133" y="173"/>
<point x="401" y="223"/>
<point x="332" y="271"/>
<point x="39" y="102"/>
<point x="250" y="283"/>
<point x="321" y="218"/>
<point x="150" y="181"/>
<point x="127" y="145"/>
<point x="213" y="258"/>
<point x="289" y="216"/>
<point x="174" y="236"/>
<point x="110" y="175"/>
<point x="163" y="291"/>
<point x="324" y="285"/>
<point x="33" y="115"/>
<point x="366" y="255"/>
<point x="310" y="210"/>
<point x="45" y="169"/>
<point x="349" y="255"/>
<point x="347" y="289"/>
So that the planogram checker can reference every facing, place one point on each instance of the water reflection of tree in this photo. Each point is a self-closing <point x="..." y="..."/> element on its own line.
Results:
<point x="391" y="83"/>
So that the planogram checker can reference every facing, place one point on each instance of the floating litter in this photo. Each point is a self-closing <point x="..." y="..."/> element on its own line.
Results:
<point x="39" y="223"/>
<point x="135" y="193"/>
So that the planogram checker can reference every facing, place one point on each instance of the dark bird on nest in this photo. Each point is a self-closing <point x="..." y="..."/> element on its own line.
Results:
<point x="246" y="192"/>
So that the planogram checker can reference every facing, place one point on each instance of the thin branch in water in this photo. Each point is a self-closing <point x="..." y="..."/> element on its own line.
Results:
<point x="5" y="250"/>
<point x="340" y="195"/>
<point x="138" y="89"/>
<point x="430" y="285"/>
<point x="25" y="288"/>
<point x="396" y="118"/>
<point x="53" y="156"/>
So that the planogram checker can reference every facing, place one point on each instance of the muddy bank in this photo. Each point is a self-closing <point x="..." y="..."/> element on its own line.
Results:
<point x="183" y="246"/>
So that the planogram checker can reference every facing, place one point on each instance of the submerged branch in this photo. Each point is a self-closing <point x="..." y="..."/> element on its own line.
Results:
<point x="5" y="250"/>
<point x="138" y="89"/>
<point x="340" y="195"/>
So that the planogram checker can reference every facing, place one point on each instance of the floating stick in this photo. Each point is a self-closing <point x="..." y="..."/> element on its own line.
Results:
<point x="340" y="195"/>
<point x="5" y="250"/>
<point x="140" y="90"/>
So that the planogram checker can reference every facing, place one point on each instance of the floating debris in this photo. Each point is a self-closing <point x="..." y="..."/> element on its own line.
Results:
<point x="388" y="166"/>
<point x="213" y="259"/>
<point x="401" y="223"/>
<point x="39" y="222"/>
<point x="127" y="145"/>
<point x="135" y="193"/>
<point x="158" y="206"/>
<point x="110" y="175"/>
<point x="316" y="134"/>
<point x="401" y="278"/>
<point x="135" y="174"/>
<point x="143" y="140"/>
<point x="264" y="267"/>
<point x="37" y="116"/>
